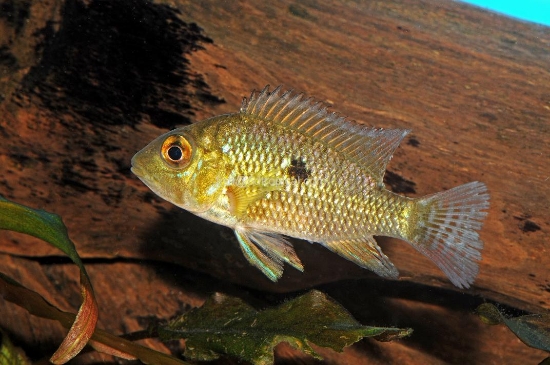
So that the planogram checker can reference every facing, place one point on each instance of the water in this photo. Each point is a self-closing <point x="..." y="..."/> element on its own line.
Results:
<point x="83" y="87"/>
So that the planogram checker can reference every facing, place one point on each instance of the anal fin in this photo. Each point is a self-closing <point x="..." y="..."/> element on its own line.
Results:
<point x="366" y="253"/>
<point x="267" y="251"/>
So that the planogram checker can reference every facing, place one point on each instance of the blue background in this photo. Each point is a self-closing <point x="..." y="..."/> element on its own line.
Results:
<point x="537" y="11"/>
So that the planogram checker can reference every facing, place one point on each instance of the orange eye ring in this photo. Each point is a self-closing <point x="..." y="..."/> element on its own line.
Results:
<point x="176" y="151"/>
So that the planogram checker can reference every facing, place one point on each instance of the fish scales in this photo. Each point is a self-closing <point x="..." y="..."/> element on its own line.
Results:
<point x="335" y="187"/>
<point x="284" y="166"/>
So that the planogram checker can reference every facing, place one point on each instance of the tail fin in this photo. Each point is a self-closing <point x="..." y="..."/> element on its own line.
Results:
<point x="446" y="232"/>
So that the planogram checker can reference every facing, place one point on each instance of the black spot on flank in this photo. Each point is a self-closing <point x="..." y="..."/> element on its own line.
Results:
<point x="298" y="170"/>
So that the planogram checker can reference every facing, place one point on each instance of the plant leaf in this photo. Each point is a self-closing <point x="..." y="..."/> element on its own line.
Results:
<point x="50" y="228"/>
<point x="102" y="341"/>
<point x="532" y="329"/>
<point x="226" y="325"/>
<point x="9" y="354"/>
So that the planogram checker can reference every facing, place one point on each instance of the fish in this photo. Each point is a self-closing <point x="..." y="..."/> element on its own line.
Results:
<point x="284" y="166"/>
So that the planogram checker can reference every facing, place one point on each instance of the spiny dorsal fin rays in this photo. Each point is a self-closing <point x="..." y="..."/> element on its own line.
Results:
<point x="292" y="106"/>
<point x="283" y="108"/>
<point x="270" y="102"/>
<point x="370" y="148"/>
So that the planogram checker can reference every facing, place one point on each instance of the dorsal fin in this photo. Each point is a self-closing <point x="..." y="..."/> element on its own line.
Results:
<point x="371" y="148"/>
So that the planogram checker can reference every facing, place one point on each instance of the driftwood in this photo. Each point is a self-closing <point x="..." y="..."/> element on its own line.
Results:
<point x="86" y="84"/>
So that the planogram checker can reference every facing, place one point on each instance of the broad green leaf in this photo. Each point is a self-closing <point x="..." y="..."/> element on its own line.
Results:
<point x="35" y="304"/>
<point x="50" y="228"/>
<point x="532" y="329"/>
<point x="38" y="223"/>
<point x="9" y="354"/>
<point x="228" y="326"/>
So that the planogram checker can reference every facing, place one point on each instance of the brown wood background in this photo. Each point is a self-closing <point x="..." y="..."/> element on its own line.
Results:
<point x="85" y="84"/>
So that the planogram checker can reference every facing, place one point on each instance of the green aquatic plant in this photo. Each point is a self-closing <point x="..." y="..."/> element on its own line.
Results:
<point x="226" y="325"/>
<point x="222" y="326"/>
<point x="532" y="329"/>
<point x="50" y="228"/>
<point x="9" y="354"/>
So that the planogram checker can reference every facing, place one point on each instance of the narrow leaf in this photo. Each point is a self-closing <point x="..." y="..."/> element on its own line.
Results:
<point x="83" y="326"/>
<point x="9" y="354"/>
<point x="228" y="326"/>
<point x="532" y="329"/>
<point x="102" y="341"/>
<point x="50" y="228"/>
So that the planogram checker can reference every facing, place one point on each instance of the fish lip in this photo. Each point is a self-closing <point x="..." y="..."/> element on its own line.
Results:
<point x="140" y="174"/>
<point x="134" y="168"/>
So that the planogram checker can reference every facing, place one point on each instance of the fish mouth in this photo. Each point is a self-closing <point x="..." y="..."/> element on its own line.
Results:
<point x="141" y="175"/>
<point x="135" y="168"/>
<point x="136" y="171"/>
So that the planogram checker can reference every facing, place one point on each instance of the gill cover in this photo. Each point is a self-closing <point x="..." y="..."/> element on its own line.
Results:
<point x="198" y="164"/>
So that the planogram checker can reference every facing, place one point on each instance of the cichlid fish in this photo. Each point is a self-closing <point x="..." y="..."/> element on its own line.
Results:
<point x="285" y="166"/>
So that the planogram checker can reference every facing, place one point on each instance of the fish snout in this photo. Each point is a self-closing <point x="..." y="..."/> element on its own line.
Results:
<point x="135" y="168"/>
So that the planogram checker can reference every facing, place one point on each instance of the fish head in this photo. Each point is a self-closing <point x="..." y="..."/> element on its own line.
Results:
<point x="172" y="166"/>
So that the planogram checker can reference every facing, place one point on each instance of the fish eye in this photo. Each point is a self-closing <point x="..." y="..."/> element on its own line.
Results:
<point x="176" y="151"/>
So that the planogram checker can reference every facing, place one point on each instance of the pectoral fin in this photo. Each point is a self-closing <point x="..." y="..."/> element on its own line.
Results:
<point x="365" y="253"/>
<point x="267" y="251"/>
<point x="241" y="197"/>
<point x="210" y="179"/>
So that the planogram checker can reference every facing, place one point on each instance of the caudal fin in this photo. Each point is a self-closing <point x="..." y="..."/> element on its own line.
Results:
<point x="446" y="232"/>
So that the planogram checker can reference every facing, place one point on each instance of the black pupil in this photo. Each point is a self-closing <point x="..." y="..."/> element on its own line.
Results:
<point x="175" y="153"/>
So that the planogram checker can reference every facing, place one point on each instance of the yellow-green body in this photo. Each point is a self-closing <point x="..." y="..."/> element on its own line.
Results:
<point x="337" y="200"/>
<point x="285" y="166"/>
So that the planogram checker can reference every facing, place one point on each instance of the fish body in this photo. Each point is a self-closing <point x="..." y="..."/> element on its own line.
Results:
<point x="284" y="166"/>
